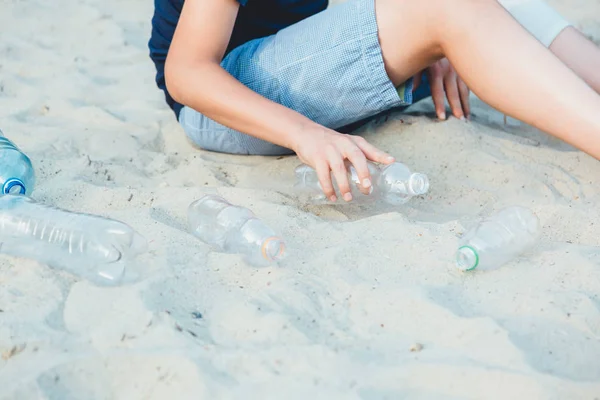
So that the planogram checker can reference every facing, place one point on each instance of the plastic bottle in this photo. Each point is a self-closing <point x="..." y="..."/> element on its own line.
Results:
<point x="89" y="246"/>
<point x="394" y="184"/>
<point x="234" y="229"/>
<point x="16" y="172"/>
<point x="498" y="239"/>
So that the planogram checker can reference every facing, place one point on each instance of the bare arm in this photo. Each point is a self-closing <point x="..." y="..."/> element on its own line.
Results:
<point x="195" y="78"/>
<point x="580" y="54"/>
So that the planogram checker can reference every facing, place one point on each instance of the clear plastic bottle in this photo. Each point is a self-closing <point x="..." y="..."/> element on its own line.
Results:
<point x="394" y="184"/>
<point x="16" y="172"/>
<point x="498" y="239"/>
<point x="88" y="246"/>
<point x="234" y="229"/>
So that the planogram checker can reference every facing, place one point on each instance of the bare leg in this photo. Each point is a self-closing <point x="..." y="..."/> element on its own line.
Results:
<point x="580" y="54"/>
<point x="554" y="31"/>
<point x="498" y="59"/>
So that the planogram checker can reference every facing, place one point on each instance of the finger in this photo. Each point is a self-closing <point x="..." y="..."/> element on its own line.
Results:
<point x="324" y="175"/>
<point x="417" y="81"/>
<point x="464" y="91"/>
<point x="355" y="155"/>
<point x="451" y="87"/>
<point x="340" y="173"/>
<point x="371" y="152"/>
<point x="437" y="94"/>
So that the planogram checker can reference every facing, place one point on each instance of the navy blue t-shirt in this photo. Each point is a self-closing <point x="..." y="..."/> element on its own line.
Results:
<point x="255" y="19"/>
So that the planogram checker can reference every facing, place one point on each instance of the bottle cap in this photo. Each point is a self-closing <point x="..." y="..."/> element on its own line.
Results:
<point x="467" y="258"/>
<point x="13" y="186"/>
<point x="273" y="249"/>
<point x="418" y="184"/>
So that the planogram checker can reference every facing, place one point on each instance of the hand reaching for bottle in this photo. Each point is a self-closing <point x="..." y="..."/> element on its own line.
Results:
<point x="327" y="151"/>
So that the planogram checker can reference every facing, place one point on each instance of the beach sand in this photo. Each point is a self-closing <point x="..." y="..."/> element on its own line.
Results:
<point x="368" y="305"/>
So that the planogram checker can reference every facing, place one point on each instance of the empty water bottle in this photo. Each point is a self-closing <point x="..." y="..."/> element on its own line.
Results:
<point x="234" y="229"/>
<point x="394" y="184"/>
<point x="93" y="247"/>
<point x="16" y="172"/>
<point x="498" y="239"/>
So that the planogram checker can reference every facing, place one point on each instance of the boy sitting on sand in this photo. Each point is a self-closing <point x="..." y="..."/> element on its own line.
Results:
<point x="270" y="77"/>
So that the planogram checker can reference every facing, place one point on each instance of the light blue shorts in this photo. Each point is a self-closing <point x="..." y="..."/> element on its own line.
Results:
<point x="328" y="67"/>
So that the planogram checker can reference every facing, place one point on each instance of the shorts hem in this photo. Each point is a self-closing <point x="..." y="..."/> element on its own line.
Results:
<point x="374" y="64"/>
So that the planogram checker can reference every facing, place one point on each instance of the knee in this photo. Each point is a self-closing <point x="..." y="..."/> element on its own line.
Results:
<point x="436" y="17"/>
<point x="212" y="136"/>
<point x="207" y="134"/>
<point x="449" y="11"/>
<point x="454" y="18"/>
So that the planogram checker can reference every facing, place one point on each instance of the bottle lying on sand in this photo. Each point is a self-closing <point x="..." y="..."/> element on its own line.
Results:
<point x="234" y="229"/>
<point x="498" y="239"/>
<point x="16" y="172"/>
<point x="92" y="247"/>
<point x="394" y="184"/>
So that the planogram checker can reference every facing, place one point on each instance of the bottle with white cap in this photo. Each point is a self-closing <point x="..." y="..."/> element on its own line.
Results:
<point x="16" y="172"/>
<point x="393" y="184"/>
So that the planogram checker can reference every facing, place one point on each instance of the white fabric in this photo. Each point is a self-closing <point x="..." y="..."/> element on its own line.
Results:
<point x="541" y="20"/>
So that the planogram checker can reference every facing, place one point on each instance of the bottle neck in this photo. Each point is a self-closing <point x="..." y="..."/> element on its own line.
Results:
<point x="13" y="186"/>
<point x="467" y="258"/>
<point x="273" y="249"/>
<point x="417" y="184"/>
<point x="411" y="185"/>
<point x="260" y="242"/>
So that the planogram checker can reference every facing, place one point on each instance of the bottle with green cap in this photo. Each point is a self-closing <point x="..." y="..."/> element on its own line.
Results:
<point x="16" y="172"/>
<point x="498" y="239"/>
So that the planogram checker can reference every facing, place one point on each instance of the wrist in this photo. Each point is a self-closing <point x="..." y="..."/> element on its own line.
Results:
<point x="303" y="131"/>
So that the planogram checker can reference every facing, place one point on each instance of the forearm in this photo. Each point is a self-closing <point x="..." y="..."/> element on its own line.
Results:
<point x="210" y="90"/>
<point x="580" y="54"/>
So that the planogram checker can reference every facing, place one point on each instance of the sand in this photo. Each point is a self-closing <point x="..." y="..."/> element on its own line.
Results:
<point x="368" y="305"/>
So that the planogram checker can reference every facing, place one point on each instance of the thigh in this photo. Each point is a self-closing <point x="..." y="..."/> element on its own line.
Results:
<point x="330" y="68"/>
<point x="421" y="93"/>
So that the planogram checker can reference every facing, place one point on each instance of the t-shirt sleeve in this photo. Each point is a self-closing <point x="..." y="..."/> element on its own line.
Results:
<point x="242" y="2"/>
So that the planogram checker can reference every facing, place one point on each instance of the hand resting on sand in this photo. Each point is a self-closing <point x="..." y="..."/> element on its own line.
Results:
<point x="445" y="81"/>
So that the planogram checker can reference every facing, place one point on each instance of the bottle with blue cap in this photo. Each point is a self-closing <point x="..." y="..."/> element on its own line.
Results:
<point x="16" y="172"/>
